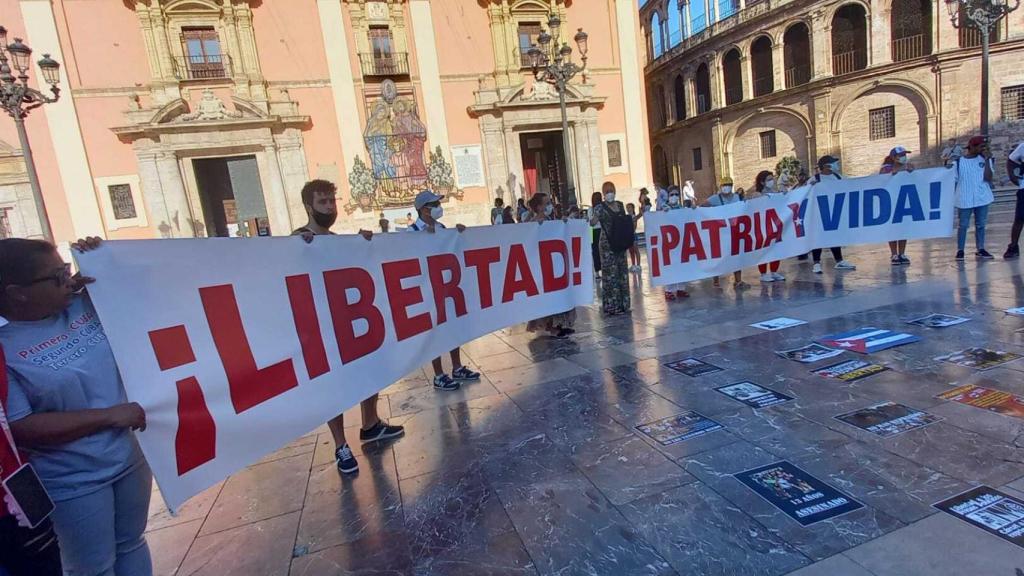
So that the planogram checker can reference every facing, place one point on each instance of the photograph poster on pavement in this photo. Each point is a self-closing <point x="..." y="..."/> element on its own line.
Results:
<point x="796" y="493"/>
<point x="1015" y="311"/>
<point x="989" y="509"/>
<point x="778" y="324"/>
<point x="938" y="321"/>
<point x="985" y="398"/>
<point x="693" y="367"/>
<point x="678" y="428"/>
<point x="980" y="358"/>
<point x="809" y="354"/>
<point x="850" y="371"/>
<point x="753" y="395"/>
<point x="888" y="419"/>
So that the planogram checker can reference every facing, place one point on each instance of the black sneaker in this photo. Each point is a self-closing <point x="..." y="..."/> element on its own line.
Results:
<point x="984" y="255"/>
<point x="463" y="374"/>
<point x="959" y="255"/>
<point x="1012" y="252"/>
<point x="346" y="461"/>
<point x="382" y="431"/>
<point x="444" y="382"/>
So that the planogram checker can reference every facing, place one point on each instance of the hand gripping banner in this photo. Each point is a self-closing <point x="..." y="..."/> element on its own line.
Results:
<point x="235" y="347"/>
<point x="690" y="244"/>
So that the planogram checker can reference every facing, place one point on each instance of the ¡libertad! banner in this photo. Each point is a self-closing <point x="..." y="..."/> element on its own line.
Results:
<point x="684" y="245"/>
<point x="236" y="347"/>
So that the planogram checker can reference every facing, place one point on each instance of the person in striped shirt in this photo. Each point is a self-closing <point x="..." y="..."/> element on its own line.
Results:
<point x="973" y="173"/>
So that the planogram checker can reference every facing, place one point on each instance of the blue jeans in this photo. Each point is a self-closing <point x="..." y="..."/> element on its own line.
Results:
<point x="101" y="533"/>
<point x="980" y="218"/>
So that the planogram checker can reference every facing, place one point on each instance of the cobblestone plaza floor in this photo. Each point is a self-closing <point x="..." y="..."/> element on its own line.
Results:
<point x="540" y="468"/>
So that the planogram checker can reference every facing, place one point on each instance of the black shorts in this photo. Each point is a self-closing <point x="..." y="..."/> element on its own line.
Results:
<point x="1018" y="213"/>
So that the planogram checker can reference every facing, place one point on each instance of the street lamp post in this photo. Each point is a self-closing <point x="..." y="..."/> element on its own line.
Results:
<point x="553" y="64"/>
<point x="983" y="15"/>
<point x="18" y="99"/>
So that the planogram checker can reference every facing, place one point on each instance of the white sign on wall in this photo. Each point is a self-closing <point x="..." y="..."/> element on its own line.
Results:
<point x="376" y="11"/>
<point x="469" y="166"/>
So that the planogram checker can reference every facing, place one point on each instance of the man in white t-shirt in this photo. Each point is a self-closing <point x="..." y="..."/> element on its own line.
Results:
<point x="1015" y="168"/>
<point x="973" y="196"/>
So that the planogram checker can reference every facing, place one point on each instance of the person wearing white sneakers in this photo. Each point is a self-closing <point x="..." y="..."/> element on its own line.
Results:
<point x="828" y="169"/>
<point x="727" y="195"/>
<point x="428" y="206"/>
<point x="764" y="187"/>
<point x="674" y="291"/>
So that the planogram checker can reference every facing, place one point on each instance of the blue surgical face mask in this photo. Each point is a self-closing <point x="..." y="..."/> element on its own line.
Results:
<point x="834" y="166"/>
<point x="549" y="210"/>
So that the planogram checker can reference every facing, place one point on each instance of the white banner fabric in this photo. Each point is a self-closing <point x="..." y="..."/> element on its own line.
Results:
<point x="235" y="347"/>
<point x="691" y="244"/>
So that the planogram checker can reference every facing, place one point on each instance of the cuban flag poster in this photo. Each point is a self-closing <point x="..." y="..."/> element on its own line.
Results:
<point x="866" y="340"/>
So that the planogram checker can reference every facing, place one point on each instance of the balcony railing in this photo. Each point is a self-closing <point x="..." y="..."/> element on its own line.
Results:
<point x="733" y="95"/>
<point x="391" y="64"/>
<point x="202" y="67"/>
<point x="909" y="47"/>
<point x="703" y="103"/>
<point x="763" y="85"/>
<point x="847" y="62"/>
<point x="798" y="75"/>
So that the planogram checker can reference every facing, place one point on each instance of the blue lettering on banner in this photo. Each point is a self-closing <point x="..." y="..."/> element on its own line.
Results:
<point x="830" y="215"/>
<point x="874" y="216"/>
<point x="874" y="207"/>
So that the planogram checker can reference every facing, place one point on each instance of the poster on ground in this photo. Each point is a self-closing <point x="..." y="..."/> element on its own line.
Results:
<point x="809" y="354"/>
<point x="679" y="428"/>
<point x="778" y="324"/>
<point x="850" y="371"/>
<point x="797" y="494"/>
<point x="753" y="395"/>
<point x="867" y="340"/>
<point x="236" y="347"/>
<point x="987" y="399"/>
<point x="888" y="419"/>
<point x="979" y="358"/>
<point x="693" y="367"/>
<point x="938" y="321"/>
<point x="993" y="511"/>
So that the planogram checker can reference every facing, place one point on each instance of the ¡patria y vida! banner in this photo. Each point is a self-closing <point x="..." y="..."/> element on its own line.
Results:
<point x="235" y="347"/>
<point x="690" y="244"/>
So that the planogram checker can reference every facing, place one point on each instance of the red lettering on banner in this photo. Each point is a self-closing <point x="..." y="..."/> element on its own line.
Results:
<point x="345" y="313"/>
<point x="248" y="384"/>
<point x="195" y="442"/>
<point x="443" y="290"/>
<point x="171" y="347"/>
<point x="481" y="259"/>
<point x="758" y="232"/>
<point x="798" y="222"/>
<point x="401" y="298"/>
<point x="713" y="228"/>
<point x="740" y="233"/>
<point x="577" y="250"/>
<point x="307" y="325"/>
<point x="773" y="227"/>
<point x="670" y="237"/>
<point x="549" y="248"/>
<point x="655" y="259"/>
<point x="518" y="277"/>
<point x="693" y="247"/>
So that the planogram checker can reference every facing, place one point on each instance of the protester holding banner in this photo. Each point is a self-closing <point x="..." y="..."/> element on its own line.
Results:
<point x="677" y="290"/>
<point x="319" y="198"/>
<point x="557" y="325"/>
<point x="428" y="206"/>
<point x="595" y="225"/>
<point x="1015" y="168"/>
<point x="973" y="173"/>
<point x="24" y="551"/>
<point x="828" y="171"/>
<point x="764" y="186"/>
<point x="727" y="195"/>
<point x="69" y="412"/>
<point x="634" y="250"/>
<point x="897" y="161"/>
<point x="615" y="289"/>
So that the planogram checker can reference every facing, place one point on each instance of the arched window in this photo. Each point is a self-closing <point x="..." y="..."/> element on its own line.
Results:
<point x="698" y="16"/>
<point x="675" y="28"/>
<point x="796" y="55"/>
<point x="763" y="67"/>
<point x="732" y="74"/>
<point x="911" y="29"/>
<point x="656" y="35"/>
<point x="702" y="85"/>
<point x="679" y="95"/>
<point x="660" y="166"/>
<point x="660" y="117"/>
<point x="849" y="39"/>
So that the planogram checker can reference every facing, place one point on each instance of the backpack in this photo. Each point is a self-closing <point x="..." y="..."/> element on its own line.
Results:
<point x="621" y="235"/>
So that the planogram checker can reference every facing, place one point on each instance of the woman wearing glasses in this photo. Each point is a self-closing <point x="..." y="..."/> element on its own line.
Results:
<point x="68" y="412"/>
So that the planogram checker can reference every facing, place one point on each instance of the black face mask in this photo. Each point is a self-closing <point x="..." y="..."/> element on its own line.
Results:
<point x="324" y="220"/>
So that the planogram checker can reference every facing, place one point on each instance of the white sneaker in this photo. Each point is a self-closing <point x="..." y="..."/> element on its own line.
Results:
<point x="778" y="276"/>
<point x="766" y="277"/>
<point x="817" y="268"/>
<point x="844" y="265"/>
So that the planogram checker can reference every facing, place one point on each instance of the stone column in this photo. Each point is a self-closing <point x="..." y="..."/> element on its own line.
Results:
<point x="494" y="158"/>
<point x="152" y="192"/>
<point x="747" y="73"/>
<point x="690" y="89"/>
<point x="173" y="222"/>
<point x="582" y="163"/>
<point x="821" y="44"/>
<point x="715" y="81"/>
<point x="273" y="192"/>
<point x="778" y="67"/>
<point x="879" y="27"/>
<point x="294" y="174"/>
<point x="513" y="158"/>
<point x="684" y="18"/>
<point x="821" y="119"/>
